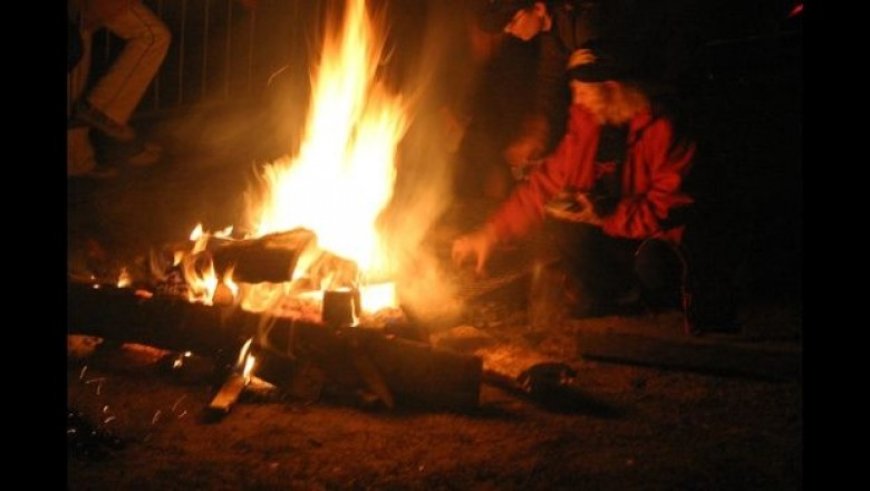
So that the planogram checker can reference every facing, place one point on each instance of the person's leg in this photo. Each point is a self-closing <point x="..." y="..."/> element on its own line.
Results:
<point x="601" y="266"/>
<point x="79" y="152"/>
<point x="660" y="267"/>
<point x="77" y="78"/>
<point x="612" y="274"/>
<point x="119" y="91"/>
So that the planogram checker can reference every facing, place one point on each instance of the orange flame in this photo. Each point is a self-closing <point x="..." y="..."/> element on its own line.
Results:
<point x="201" y="280"/>
<point x="344" y="173"/>
<point x="246" y="360"/>
<point x="250" y="361"/>
<point x="124" y="278"/>
<point x="231" y="285"/>
<point x="196" y="233"/>
<point x="376" y="297"/>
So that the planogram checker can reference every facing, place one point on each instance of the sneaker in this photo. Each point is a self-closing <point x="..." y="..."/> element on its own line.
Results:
<point x="91" y="169"/>
<point x="98" y="120"/>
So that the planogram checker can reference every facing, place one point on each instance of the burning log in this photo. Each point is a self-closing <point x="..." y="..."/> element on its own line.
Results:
<point x="275" y="258"/>
<point x="271" y="258"/>
<point x="412" y="372"/>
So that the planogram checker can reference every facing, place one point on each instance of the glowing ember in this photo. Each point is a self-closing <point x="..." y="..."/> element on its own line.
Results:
<point x="377" y="297"/>
<point x="124" y="279"/>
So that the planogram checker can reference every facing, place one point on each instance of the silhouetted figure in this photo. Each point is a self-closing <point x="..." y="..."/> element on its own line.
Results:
<point x="108" y="105"/>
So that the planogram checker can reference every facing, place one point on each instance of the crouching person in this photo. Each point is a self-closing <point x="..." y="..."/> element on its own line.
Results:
<point x="614" y="190"/>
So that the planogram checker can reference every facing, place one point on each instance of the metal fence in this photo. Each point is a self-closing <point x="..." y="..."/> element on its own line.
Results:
<point x="221" y="51"/>
<point x="224" y="53"/>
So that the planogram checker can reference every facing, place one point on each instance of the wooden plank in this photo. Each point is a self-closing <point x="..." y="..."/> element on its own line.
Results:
<point x="663" y="345"/>
<point x="228" y="394"/>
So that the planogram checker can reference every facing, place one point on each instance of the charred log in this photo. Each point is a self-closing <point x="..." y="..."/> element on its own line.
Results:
<point x="411" y="372"/>
<point x="276" y="258"/>
<point x="271" y="258"/>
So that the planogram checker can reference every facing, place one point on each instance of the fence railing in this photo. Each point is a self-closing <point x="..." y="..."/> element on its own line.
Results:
<point x="221" y="51"/>
<point x="225" y="53"/>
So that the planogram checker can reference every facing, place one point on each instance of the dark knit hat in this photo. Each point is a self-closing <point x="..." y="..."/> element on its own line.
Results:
<point x="494" y="15"/>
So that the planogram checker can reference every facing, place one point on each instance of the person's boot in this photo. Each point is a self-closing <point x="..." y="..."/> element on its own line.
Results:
<point x="98" y="120"/>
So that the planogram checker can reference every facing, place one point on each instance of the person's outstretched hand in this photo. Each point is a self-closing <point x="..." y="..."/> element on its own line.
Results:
<point x="524" y="150"/>
<point x="477" y="246"/>
<point x="582" y="211"/>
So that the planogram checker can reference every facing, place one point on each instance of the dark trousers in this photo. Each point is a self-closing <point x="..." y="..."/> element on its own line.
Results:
<point x="610" y="270"/>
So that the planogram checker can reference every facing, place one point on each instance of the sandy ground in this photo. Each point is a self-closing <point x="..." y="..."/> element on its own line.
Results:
<point x="663" y="430"/>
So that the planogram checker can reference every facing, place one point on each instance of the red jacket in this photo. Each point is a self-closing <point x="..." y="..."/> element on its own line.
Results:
<point x="650" y="187"/>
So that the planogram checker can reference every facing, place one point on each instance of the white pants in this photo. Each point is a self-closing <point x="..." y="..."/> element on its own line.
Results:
<point x="119" y="91"/>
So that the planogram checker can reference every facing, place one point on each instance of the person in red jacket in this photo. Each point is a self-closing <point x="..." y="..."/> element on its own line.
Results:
<point x="614" y="183"/>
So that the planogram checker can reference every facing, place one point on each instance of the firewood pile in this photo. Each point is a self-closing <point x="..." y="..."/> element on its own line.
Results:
<point x="301" y="339"/>
<point x="309" y="336"/>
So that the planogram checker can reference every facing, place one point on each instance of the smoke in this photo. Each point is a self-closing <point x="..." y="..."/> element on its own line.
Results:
<point x="424" y="59"/>
<point x="431" y="73"/>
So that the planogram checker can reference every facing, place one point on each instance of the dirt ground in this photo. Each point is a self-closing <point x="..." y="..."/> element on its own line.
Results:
<point x="636" y="428"/>
<point x="666" y="430"/>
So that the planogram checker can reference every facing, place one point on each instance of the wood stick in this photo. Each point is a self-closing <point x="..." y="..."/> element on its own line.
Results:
<point x="228" y="394"/>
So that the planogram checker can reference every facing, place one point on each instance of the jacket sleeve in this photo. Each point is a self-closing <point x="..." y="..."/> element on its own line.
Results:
<point x="571" y="161"/>
<point x="664" y="165"/>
